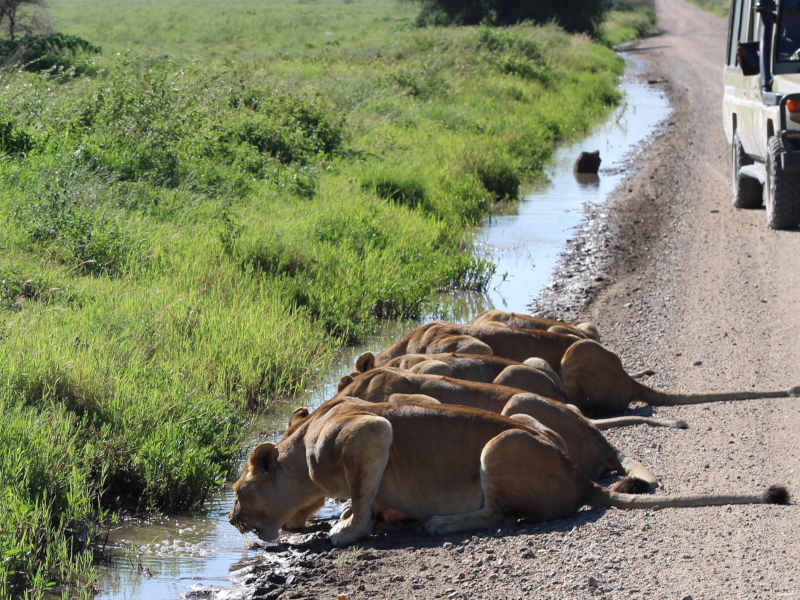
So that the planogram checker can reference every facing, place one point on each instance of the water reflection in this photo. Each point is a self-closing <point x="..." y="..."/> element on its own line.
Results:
<point x="525" y="245"/>
<point x="588" y="180"/>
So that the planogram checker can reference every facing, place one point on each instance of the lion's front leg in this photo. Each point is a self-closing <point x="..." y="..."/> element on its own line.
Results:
<point x="364" y="449"/>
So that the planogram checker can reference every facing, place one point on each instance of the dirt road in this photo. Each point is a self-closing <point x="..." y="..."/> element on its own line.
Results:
<point x="708" y="297"/>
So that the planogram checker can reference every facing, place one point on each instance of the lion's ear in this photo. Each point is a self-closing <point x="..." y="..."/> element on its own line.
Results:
<point x="264" y="457"/>
<point x="589" y="329"/>
<point x="298" y="414"/>
<point x="344" y="382"/>
<point x="365" y="362"/>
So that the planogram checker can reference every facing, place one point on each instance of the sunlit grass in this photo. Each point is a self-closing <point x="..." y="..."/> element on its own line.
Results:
<point x="717" y="7"/>
<point x="627" y="20"/>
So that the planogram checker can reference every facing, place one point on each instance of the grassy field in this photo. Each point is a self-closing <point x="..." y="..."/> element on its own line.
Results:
<point x="718" y="7"/>
<point x="628" y="20"/>
<point x="195" y="218"/>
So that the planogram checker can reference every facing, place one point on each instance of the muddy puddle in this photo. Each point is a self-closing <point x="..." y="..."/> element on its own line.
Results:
<point x="202" y="556"/>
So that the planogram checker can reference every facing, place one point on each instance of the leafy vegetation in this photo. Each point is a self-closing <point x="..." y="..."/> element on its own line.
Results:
<point x="196" y="220"/>
<point x="718" y="7"/>
<point x="574" y="15"/>
<point x="55" y="52"/>
<point x="627" y="20"/>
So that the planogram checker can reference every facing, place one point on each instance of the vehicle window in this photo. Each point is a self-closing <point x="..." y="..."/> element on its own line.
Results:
<point x="787" y="46"/>
<point x="744" y="29"/>
<point x="733" y="31"/>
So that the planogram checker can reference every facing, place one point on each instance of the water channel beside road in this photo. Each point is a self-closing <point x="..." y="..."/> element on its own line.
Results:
<point x="168" y="557"/>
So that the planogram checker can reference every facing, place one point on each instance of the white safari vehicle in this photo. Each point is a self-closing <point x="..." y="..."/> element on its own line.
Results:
<point x="761" y="107"/>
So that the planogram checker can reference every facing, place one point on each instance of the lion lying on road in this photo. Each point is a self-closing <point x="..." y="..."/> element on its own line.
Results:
<point x="594" y="380"/>
<point x="440" y="336"/>
<point x="520" y="321"/>
<point x="593" y="377"/>
<point x="454" y="468"/>
<point x="533" y="375"/>
<point x="590" y="450"/>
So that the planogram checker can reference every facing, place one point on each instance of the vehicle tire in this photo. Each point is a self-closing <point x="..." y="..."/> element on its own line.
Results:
<point x="781" y="190"/>
<point x="747" y="191"/>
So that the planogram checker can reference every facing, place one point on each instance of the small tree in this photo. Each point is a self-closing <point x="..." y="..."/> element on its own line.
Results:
<point x="9" y="11"/>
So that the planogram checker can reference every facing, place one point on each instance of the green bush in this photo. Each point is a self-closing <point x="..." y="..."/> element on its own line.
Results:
<point x="573" y="15"/>
<point x="399" y="187"/>
<point x="717" y="7"/>
<point x="288" y="127"/>
<point x="628" y="22"/>
<point x="14" y="140"/>
<point x="64" y="220"/>
<point x="516" y="56"/>
<point x="18" y="289"/>
<point x="55" y="51"/>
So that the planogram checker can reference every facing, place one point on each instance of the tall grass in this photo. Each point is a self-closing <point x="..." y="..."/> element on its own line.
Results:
<point x="627" y="20"/>
<point x="197" y="218"/>
<point x="717" y="7"/>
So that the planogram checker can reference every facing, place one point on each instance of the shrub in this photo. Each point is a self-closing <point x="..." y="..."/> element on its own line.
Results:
<point x="399" y="188"/>
<point x="515" y="56"/>
<point x="44" y="52"/>
<point x="495" y="172"/>
<point x="14" y="140"/>
<point x="573" y="15"/>
<point x="289" y="127"/>
<point x="16" y="289"/>
<point x="499" y="178"/>
<point x="64" y="219"/>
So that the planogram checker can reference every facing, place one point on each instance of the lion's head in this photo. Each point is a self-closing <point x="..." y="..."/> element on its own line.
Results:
<point x="273" y="492"/>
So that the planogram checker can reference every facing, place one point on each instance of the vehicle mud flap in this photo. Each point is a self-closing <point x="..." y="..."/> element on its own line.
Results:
<point x="781" y="189"/>
<point x="747" y="190"/>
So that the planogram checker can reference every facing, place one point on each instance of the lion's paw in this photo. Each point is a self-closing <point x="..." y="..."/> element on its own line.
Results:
<point x="437" y="525"/>
<point x="345" y="532"/>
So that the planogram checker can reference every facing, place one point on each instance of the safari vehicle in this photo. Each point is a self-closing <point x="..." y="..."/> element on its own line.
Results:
<point x="761" y="107"/>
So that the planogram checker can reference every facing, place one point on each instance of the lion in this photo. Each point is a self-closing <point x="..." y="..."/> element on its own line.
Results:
<point x="453" y="468"/>
<point x="593" y="377"/>
<point x="590" y="450"/>
<point x="533" y="375"/>
<point x="440" y="336"/>
<point x="501" y="318"/>
<point x="595" y="380"/>
<point x="461" y="370"/>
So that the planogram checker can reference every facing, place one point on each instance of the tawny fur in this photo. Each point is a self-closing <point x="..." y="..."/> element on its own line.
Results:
<point x="453" y="468"/>
<point x="521" y="321"/>
<point x="593" y="377"/>
<point x="590" y="450"/>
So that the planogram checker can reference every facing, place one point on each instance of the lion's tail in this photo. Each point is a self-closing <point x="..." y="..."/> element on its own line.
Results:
<point x="775" y="494"/>
<point x="656" y="398"/>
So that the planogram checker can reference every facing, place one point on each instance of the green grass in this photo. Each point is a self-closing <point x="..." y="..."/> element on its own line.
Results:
<point x="717" y="7"/>
<point x="195" y="219"/>
<point x="628" y="20"/>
